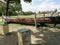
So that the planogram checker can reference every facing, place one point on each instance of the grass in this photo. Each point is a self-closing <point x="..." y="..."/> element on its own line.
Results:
<point x="28" y="16"/>
<point x="1" y="23"/>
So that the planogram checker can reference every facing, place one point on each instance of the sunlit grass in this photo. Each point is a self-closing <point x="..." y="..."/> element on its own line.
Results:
<point x="27" y="16"/>
<point x="1" y="23"/>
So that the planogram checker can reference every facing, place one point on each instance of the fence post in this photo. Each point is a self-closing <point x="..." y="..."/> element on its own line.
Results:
<point x="35" y="20"/>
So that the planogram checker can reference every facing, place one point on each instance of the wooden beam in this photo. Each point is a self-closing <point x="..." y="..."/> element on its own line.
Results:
<point x="35" y="21"/>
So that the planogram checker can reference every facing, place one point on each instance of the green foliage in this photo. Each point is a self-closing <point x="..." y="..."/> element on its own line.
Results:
<point x="28" y="13"/>
<point x="13" y="1"/>
<point x="0" y="12"/>
<point x="12" y="13"/>
<point x="1" y="23"/>
<point x="28" y="1"/>
<point x="14" y="5"/>
<point x="2" y="7"/>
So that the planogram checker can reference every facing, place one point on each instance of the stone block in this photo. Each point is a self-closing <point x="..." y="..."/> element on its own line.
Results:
<point x="24" y="36"/>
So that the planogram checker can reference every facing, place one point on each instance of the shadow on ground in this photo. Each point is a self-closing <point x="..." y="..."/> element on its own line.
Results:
<point x="46" y="36"/>
<point x="9" y="39"/>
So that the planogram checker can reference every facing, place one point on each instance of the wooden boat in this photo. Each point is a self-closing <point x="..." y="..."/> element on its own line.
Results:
<point x="51" y="20"/>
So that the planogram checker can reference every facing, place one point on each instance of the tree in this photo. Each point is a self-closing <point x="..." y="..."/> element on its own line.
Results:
<point x="14" y="1"/>
<point x="2" y="7"/>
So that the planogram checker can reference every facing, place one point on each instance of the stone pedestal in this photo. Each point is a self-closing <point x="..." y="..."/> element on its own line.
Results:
<point x="5" y="29"/>
<point x="24" y="36"/>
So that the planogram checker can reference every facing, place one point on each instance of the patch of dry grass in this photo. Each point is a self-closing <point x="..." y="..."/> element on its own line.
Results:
<point x="27" y="16"/>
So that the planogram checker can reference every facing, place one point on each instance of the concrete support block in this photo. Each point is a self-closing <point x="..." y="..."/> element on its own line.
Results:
<point x="5" y="29"/>
<point x="24" y="36"/>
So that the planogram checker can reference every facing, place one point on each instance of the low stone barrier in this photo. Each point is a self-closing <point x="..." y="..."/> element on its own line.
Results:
<point x="24" y="36"/>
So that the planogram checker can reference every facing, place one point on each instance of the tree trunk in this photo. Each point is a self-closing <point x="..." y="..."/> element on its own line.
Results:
<point x="7" y="7"/>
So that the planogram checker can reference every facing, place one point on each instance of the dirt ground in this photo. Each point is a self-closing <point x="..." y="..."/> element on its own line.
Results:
<point x="40" y="36"/>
